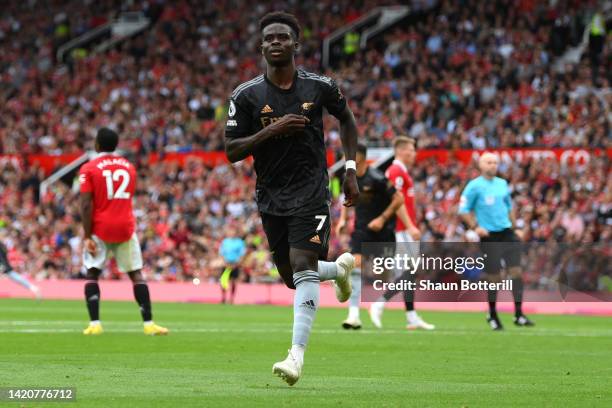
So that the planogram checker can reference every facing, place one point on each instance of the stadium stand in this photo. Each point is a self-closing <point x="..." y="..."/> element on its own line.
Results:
<point x="479" y="77"/>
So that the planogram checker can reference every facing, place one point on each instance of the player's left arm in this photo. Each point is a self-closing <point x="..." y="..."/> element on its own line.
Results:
<point x="336" y="105"/>
<point x="348" y="135"/>
<point x="512" y="213"/>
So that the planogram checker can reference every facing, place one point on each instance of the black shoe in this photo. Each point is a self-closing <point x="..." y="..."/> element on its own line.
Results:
<point x="522" y="320"/>
<point x="494" y="322"/>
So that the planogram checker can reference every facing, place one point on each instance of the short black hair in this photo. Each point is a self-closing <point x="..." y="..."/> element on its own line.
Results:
<point x="282" y="18"/>
<point x="362" y="149"/>
<point x="107" y="139"/>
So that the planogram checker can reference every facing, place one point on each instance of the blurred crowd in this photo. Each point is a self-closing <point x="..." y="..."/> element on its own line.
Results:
<point x="479" y="74"/>
<point x="465" y="73"/>
<point x="183" y="214"/>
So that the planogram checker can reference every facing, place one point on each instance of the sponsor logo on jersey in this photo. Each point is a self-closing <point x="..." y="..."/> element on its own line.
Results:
<point x="316" y="239"/>
<point x="267" y="120"/>
<point x="266" y="109"/>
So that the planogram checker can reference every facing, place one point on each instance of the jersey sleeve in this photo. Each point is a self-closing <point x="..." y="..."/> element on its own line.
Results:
<point x="333" y="99"/>
<point x="395" y="177"/>
<point x="385" y="187"/>
<point x="85" y="182"/>
<point x="468" y="199"/>
<point x="223" y="248"/>
<point x="238" y="118"/>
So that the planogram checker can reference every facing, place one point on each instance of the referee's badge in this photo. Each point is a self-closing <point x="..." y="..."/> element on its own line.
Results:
<point x="490" y="200"/>
<point x="232" y="109"/>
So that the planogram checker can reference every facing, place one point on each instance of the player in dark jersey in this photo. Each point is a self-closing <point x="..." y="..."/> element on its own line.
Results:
<point x="5" y="267"/>
<point x="277" y="117"/>
<point x="374" y="222"/>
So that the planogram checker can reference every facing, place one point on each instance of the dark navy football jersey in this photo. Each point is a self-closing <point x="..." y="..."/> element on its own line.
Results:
<point x="375" y="195"/>
<point x="291" y="168"/>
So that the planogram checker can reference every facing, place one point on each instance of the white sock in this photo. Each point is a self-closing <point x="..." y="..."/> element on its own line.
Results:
<point x="353" y="313"/>
<point x="148" y="323"/>
<point x="412" y="316"/>
<point x="94" y="323"/>
<point x="305" y="304"/>
<point x="328" y="270"/>
<point x="297" y="350"/>
<point x="17" y="278"/>
<point x="356" y="293"/>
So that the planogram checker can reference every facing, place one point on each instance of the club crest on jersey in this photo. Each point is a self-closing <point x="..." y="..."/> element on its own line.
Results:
<point x="306" y="106"/>
<point x="266" y="109"/>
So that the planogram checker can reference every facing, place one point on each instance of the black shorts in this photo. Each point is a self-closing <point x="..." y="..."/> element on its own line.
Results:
<point x="502" y="245"/>
<point x="308" y="230"/>
<point x="358" y="237"/>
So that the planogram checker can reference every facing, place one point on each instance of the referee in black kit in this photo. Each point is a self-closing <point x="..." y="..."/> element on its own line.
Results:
<point x="488" y="198"/>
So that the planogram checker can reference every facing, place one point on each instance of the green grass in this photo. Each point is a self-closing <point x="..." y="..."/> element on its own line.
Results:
<point x="221" y="356"/>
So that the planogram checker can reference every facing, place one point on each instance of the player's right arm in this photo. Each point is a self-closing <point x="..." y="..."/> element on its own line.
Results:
<point x="397" y="200"/>
<point x="239" y="143"/>
<point x="87" y="209"/>
<point x="341" y="225"/>
<point x="413" y="230"/>
<point x="396" y="178"/>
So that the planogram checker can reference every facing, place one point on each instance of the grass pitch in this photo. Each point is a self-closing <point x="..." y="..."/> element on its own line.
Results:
<point x="220" y="356"/>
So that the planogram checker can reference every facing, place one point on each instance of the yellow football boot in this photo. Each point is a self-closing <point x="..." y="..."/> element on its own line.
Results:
<point x="155" y="330"/>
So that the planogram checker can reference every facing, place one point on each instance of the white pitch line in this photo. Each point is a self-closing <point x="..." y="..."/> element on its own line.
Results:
<point x="526" y="332"/>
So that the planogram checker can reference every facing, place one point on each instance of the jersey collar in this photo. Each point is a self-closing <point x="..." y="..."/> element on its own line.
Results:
<point x="402" y="165"/>
<point x="293" y="84"/>
<point x="102" y="154"/>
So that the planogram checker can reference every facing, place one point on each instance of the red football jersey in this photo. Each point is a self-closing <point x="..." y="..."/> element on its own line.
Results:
<point x="397" y="173"/>
<point x="112" y="181"/>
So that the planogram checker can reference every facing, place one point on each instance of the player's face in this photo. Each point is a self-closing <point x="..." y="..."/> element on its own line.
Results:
<point x="278" y="45"/>
<point x="488" y="165"/>
<point x="406" y="153"/>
